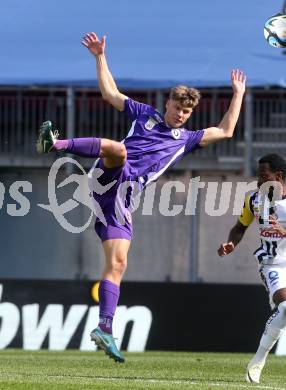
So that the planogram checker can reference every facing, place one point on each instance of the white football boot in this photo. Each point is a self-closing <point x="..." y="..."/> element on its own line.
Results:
<point x="254" y="370"/>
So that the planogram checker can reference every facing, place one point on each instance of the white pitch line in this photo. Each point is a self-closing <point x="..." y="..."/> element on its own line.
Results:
<point x="161" y="381"/>
<point x="191" y="383"/>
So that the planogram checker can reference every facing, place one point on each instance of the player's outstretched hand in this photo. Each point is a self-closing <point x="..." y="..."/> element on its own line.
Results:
<point x="238" y="80"/>
<point x="94" y="45"/>
<point x="225" y="248"/>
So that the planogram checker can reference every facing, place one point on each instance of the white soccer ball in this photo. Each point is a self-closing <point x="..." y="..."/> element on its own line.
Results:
<point x="275" y="30"/>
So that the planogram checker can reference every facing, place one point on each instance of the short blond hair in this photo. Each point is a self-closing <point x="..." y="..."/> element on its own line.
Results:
<point x="188" y="97"/>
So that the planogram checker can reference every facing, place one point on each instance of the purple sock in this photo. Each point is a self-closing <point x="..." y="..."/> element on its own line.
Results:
<point x="61" y="144"/>
<point x="108" y="299"/>
<point x="85" y="147"/>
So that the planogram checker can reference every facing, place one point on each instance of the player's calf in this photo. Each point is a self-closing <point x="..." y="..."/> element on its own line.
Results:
<point x="113" y="152"/>
<point x="84" y="147"/>
<point x="273" y="331"/>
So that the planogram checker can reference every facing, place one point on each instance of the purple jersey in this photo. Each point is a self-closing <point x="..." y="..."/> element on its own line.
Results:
<point x="152" y="146"/>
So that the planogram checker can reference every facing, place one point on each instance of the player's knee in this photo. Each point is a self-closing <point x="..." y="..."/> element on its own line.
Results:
<point x="113" y="150"/>
<point x="121" y="152"/>
<point x="122" y="265"/>
<point x="119" y="264"/>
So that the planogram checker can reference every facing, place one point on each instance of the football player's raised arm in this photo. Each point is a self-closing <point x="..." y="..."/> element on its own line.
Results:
<point x="227" y="125"/>
<point x="107" y="85"/>
<point x="106" y="82"/>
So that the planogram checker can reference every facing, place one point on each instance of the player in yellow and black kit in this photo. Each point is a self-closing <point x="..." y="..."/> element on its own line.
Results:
<point x="271" y="254"/>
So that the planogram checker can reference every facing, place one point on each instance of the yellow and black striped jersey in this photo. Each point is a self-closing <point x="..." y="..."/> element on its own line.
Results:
<point x="273" y="245"/>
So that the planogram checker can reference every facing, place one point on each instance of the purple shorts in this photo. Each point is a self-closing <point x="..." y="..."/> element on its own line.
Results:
<point x="115" y="220"/>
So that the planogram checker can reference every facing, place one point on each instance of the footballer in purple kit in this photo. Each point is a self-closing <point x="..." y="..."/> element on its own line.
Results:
<point x="154" y="143"/>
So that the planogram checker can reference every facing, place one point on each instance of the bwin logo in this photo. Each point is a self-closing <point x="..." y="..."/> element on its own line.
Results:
<point x="60" y="325"/>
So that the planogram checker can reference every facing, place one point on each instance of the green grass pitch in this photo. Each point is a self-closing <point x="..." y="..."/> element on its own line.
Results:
<point x="71" y="369"/>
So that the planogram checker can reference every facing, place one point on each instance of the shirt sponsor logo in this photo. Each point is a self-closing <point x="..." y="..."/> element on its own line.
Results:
<point x="176" y="133"/>
<point x="150" y="123"/>
<point x="268" y="234"/>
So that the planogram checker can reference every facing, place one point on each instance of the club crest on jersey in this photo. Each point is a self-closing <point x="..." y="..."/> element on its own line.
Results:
<point x="150" y="123"/>
<point x="176" y="133"/>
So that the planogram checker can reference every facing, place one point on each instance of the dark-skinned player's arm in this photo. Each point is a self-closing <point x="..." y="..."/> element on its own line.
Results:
<point x="235" y="236"/>
<point x="237" y="232"/>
